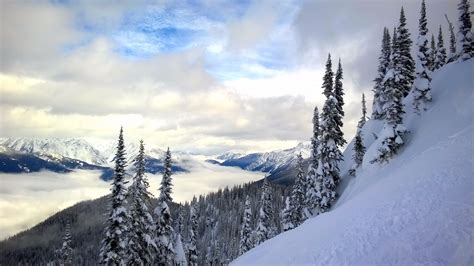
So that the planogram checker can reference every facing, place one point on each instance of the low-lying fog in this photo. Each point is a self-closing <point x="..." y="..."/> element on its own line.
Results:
<point x="27" y="199"/>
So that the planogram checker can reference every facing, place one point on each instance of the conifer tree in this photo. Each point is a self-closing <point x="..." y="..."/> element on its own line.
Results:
<point x="141" y="245"/>
<point x="192" y="247"/>
<point x="114" y="245"/>
<point x="440" y="58"/>
<point x="391" y="138"/>
<point x="286" y="218"/>
<point x="180" y="255"/>
<point x="297" y="196"/>
<point x="265" y="227"/>
<point x="339" y="92"/>
<point x="363" y="119"/>
<point x="452" y="42"/>
<point x="328" y="79"/>
<point x="432" y="53"/>
<point x="246" y="238"/>
<point x="314" y="140"/>
<point x="422" y="84"/>
<point x="359" y="148"/>
<point x="403" y="62"/>
<point x="65" y="257"/>
<point x="164" y="231"/>
<point x="384" y="60"/>
<point x="339" y="101"/>
<point x="312" y="197"/>
<point x="327" y="174"/>
<point x="465" y="38"/>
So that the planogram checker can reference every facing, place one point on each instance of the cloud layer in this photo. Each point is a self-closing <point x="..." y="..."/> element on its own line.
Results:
<point x="27" y="199"/>
<point x="206" y="76"/>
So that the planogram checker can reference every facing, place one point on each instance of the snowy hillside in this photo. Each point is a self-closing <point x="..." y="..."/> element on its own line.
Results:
<point x="416" y="209"/>
<point x="270" y="161"/>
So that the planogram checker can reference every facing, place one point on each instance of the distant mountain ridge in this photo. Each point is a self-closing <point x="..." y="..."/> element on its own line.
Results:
<point x="24" y="155"/>
<point x="272" y="162"/>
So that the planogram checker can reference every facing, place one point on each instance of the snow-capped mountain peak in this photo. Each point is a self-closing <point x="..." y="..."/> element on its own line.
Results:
<point x="72" y="148"/>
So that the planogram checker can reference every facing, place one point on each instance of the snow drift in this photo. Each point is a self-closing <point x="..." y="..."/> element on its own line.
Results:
<point x="418" y="208"/>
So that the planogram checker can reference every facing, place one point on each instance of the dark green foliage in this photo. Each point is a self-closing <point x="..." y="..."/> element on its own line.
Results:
<point x="328" y="78"/>
<point x="114" y="244"/>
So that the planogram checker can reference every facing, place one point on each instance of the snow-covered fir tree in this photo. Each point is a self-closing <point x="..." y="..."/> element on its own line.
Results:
<point x="193" y="230"/>
<point x="391" y="137"/>
<point x="364" y="118"/>
<point x="312" y="186"/>
<point x="384" y="60"/>
<point x="327" y="174"/>
<point x="339" y="92"/>
<point x="297" y="195"/>
<point x="359" y="148"/>
<point x="65" y="253"/>
<point x="432" y="53"/>
<point x="163" y="230"/>
<point x="286" y="218"/>
<point x="115" y="243"/>
<point x="246" y="234"/>
<point x="265" y="227"/>
<point x="141" y="246"/>
<point x="464" y="38"/>
<point x="440" y="58"/>
<point x="403" y="62"/>
<point x="452" y="42"/>
<point x="422" y="83"/>
<point x="328" y="79"/>
<point x="180" y="258"/>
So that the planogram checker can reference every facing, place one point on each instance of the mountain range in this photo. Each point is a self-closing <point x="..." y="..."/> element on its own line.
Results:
<point x="24" y="155"/>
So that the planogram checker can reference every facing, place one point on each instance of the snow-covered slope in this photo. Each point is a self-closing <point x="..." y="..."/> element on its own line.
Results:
<point x="270" y="161"/>
<point x="417" y="209"/>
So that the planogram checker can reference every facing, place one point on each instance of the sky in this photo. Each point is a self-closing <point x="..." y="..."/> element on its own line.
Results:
<point x="199" y="76"/>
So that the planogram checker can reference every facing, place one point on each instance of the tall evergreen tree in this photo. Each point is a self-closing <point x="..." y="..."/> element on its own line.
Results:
<point x="422" y="84"/>
<point x="363" y="119"/>
<point x="391" y="138"/>
<point x="327" y="173"/>
<point x="286" y="216"/>
<point x="432" y="53"/>
<point x="114" y="245"/>
<point x="297" y="195"/>
<point x="465" y="38"/>
<point x="359" y="148"/>
<point x="452" y="42"/>
<point x="164" y="232"/>
<point x="192" y="247"/>
<point x="312" y="197"/>
<point x="65" y="253"/>
<point x="403" y="62"/>
<point x="338" y="96"/>
<point x="384" y="60"/>
<point x="440" y="57"/>
<point x="265" y="227"/>
<point x="141" y="247"/>
<point x="339" y="92"/>
<point x="328" y="79"/>
<point x="246" y="237"/>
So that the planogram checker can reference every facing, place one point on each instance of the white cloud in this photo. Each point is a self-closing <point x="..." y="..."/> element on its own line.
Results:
<point x="27" y="199"/>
